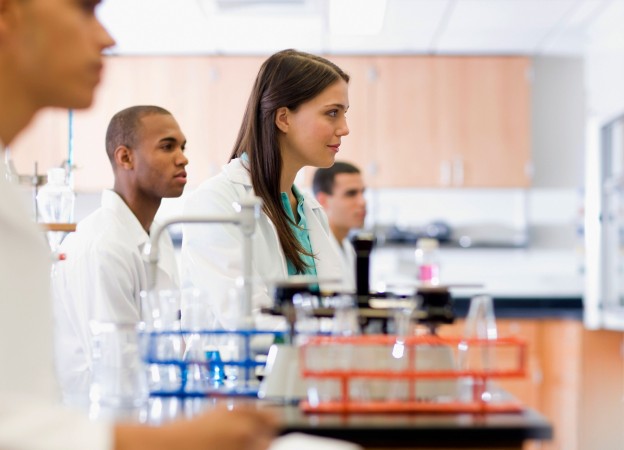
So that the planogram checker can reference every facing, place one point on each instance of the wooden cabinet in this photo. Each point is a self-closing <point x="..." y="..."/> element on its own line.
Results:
<point x="405" y="153"/>
<point x="207" y="95"/>
<point x="452" y="122"/>
<point x="481" y="117"/>
<point x="415" y="121"/>
<point x="421" y="121"/>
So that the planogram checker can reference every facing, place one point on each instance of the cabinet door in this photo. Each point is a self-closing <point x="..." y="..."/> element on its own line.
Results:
<point x="231" y="80"/>
<point x="482" y="114"/>
<point x="405" y="150"/>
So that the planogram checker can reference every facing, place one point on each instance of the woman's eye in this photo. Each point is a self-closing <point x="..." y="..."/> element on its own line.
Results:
<point x="333" y="113"/>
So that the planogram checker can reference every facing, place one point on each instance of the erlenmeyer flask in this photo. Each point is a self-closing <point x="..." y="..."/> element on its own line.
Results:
<point x="480" y="324"/>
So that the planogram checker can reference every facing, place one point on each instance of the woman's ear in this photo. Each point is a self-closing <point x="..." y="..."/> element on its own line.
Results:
<point x="124" y="158"/>
<point x="282" y="119"/>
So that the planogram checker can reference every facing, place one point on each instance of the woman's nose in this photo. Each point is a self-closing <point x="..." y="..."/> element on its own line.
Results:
<point x="344" y="129"/>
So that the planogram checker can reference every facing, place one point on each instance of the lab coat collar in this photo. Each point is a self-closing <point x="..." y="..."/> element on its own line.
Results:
<point x="135" y="232"/>
<point x="236" y="172"/>
<point x="112" y="201"/>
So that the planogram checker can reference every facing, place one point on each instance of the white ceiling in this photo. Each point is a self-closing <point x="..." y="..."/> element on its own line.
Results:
<point x="529" y="27"/>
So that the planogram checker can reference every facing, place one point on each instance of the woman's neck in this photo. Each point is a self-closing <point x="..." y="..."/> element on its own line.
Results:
<point x="287" y="179"/>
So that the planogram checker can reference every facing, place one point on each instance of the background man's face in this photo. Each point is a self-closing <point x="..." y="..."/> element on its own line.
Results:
<point x="346" y="206"/>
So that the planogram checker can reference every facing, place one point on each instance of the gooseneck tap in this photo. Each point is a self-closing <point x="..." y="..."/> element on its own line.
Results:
<point x="246" y="216"/>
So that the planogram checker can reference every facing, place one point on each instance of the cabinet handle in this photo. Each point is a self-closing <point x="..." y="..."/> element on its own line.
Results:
<point x="458" y="172"/>
<point x="445" y="173"/>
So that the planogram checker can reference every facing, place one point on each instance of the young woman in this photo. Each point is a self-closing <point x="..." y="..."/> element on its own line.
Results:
<point x="295" y="117"/>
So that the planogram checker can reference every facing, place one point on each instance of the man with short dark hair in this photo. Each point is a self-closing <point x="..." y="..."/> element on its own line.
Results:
<point x="340" y="190"/>
<point x="104" y="272"/>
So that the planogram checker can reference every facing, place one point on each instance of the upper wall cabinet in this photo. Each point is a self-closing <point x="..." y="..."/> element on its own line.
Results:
<point x="405" y="150"/>
<point x="452" y="122"/>
<point x="482" y="120"/>
<point x="415" y="121"/>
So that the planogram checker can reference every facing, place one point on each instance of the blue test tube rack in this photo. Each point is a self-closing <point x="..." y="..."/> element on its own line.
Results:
<point x="245" y="386"/>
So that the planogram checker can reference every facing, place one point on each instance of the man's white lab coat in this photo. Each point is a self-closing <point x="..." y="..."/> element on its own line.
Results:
<point x="347" y="257"/>
<point x="212" y="254"/>
<point x="101" y="279"/>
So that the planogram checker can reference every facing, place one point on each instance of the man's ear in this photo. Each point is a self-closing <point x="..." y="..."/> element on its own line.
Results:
<point x="124" y="157"/>
<point x="322" y="198"/>
<point x="282" y="119"/>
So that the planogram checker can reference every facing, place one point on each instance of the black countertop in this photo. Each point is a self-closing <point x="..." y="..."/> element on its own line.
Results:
<point x="528" y="307"/>
<point x="505" y="430"/>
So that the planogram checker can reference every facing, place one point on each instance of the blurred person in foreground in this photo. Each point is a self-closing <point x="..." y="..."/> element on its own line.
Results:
<point x="104" y="272"/>
<point x="51" y="56"/>
<point x="340" y="190"/>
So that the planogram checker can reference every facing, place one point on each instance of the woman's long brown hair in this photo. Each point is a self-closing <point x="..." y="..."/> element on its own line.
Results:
<point x="288" y="78"/>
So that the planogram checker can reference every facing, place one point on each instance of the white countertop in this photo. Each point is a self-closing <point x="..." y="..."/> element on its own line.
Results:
<point x="502" y="272"/>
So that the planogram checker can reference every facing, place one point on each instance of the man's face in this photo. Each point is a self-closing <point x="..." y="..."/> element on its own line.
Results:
<point x="58" y="48"/>
<point x="346" y="205"/>
<point x="158" y="157"/>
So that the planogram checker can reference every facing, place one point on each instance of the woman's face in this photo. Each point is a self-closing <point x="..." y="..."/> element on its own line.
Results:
<point x="311" y="134"/>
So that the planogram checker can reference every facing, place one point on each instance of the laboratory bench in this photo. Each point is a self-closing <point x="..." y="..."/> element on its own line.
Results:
<point x="371" y="431"/>
<point x="575" y="376"/>
<point x="423" y="431"/>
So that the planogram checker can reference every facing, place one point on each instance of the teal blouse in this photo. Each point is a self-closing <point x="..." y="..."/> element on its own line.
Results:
<point x="301" y="232"/>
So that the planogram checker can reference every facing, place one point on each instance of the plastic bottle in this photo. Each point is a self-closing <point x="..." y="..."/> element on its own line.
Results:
<point x="55" y="203"/>
<point x="428" y="261"/>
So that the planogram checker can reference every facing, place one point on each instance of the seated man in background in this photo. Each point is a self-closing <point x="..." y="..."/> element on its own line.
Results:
<point x="340" y="190"/>
<point x="104" y="271"/>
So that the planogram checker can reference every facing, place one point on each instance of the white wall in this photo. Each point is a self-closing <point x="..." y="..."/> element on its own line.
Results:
<point x="605" y="64"/>
<point x="558" y="122"/>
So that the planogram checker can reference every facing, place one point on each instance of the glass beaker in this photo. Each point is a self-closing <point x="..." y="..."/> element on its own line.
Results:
<point x="160" y="311"/>
<point x="118" y="374"/>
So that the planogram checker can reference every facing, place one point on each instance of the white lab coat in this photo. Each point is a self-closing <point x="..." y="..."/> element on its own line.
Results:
<point x="31" y="415"/>
<point x="212" y="254"/>
<point x="347" y="257"/>
<point x="101" y="279"/>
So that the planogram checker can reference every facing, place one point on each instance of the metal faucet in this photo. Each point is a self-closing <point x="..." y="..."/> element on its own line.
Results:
<point x="247" y="213"/>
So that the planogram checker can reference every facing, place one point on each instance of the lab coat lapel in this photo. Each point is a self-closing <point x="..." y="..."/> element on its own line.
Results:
<point x="238" y="174"/>
<point x="329" y="266"/>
